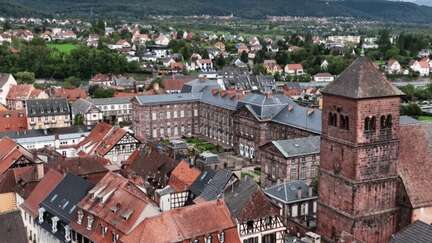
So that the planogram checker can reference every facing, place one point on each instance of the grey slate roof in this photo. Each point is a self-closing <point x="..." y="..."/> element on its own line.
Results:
<point x="417" y="232"/>
<point x="223" y="102"/>
<point x="82" y="106"/>
<point x="4" y="78"/>
<point x="12" y="228"/>
<point x="62" y="201"/>
<point x="168" y="98"/>
<point x="198" y="85"/>
<point x="47" y="107"/>
<point x="46" y="132"/>
<point x="298" y="146"/>
<point x="201" y="182"/>
<point x="111" y="101"/>
<point x="216" y="185"/>
<point x="265" y="107"/>
<point x="362" y="79"/>
<point x="300" y="117"/>
<point x="237" y="197"/>
<point x="288" y="192"/>
<point x="407" y="120"/>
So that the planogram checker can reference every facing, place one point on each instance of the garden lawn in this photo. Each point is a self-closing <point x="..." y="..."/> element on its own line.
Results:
<point x="425" y="118"/>
<point x="65" y="48"/>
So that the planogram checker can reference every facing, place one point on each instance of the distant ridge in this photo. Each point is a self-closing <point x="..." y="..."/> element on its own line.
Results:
<point x="370" y="9"/>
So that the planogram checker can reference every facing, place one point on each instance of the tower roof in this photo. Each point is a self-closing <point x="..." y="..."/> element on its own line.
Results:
<point x="362" y="79"/>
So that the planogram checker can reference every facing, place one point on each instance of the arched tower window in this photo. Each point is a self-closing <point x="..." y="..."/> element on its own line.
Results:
<point x="389" y="121"/>
<point x="383" y="122"/>
<point x="332" y="119"/>
<point x="344" y="122"/>
<point x="370" y="124"/>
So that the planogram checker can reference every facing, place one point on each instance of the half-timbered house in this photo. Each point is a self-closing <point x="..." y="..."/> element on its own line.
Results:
<point x="13" y="155"/>
<point x="177" y="193"/>
<point x="257" y="218"/>
<point x="113" y="143"/>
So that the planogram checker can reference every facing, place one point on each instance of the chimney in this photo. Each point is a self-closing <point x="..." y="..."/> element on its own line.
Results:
<point x="299" y="193"/>
<point x="39" y="171"/>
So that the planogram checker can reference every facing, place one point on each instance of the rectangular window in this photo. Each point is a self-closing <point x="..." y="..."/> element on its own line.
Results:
<point x="154" y="116"/>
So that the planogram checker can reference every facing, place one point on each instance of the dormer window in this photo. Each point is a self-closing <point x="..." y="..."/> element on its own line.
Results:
<point x="80" y="216"/>
<point x="54" y="221"/>
<point x="89" y="222"/>
<point x="41" y="215"/>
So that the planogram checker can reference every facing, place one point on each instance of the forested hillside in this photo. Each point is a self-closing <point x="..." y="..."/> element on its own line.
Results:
<point x="372" y="9"/>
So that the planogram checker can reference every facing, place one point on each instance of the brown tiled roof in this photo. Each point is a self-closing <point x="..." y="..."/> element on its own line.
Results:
<point x="294" y="66"/>
<point x="101" y="139"/>
<point x="10" y="152"/>
<point x="41" y="191"/>
<point x="13" y="121"/>
<point x="415" y="164"/>
<point x="70" y="94"/>
<point x="185" y="224"/>
<point x="114" y="191"/>
<point x="362" y="79"/>
<point x="21" y="91"/>
<point x="174" y="84"/>
<point x="90" y="167"/>
<point x="183" y="176"/>
<point x="20" y="180"/>
<point x="149" y="162"/>
<point x="246" y="201"/>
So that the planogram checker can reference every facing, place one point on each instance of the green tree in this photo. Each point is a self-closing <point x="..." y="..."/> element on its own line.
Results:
<point x="25" y="77"/>
<point x="79" y="120"/>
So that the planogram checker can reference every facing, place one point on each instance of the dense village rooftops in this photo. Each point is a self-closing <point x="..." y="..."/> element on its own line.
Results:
<point x="362" y="79"/>
<point x="417" y="232"/>
<point x="288" y="192"/>
<point x="47" y="107"/>
<point x="298" y="146"/>
<point x="62" y="201"/>
<point x="168" y="98"/>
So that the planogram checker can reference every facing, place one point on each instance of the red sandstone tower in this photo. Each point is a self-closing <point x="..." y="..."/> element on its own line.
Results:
<point x="359" y="152"/>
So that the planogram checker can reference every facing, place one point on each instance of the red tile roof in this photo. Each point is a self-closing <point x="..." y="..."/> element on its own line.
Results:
<point x="174" y="83"/>
<point x="294" y="66"/>
<point x="70" y="94"/>
<point x="41" y="191"/>
<point x="101" y="78"/>
<point x="13" y="121"/>
<point x="183" y="176"/>
<point x="21" y="91"/>
<point x="121" y="205"/>
<point x="10" y="152"/>
<point x="185" y="224"/>
<point x="97" y="141"/>
<point x="415" y="164"/>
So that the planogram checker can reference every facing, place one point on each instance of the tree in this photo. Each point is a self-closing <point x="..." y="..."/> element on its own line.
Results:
<point x="103" y="93"/>
<point x="72" y="82"/>
<point x="25" y="77"/>
<point x="79" y="120"/>
<point x="244" y="57"/>
<point x="411" y="109"/>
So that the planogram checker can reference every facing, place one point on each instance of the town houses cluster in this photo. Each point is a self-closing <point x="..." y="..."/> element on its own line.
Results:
<point x="209" y="164"/>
